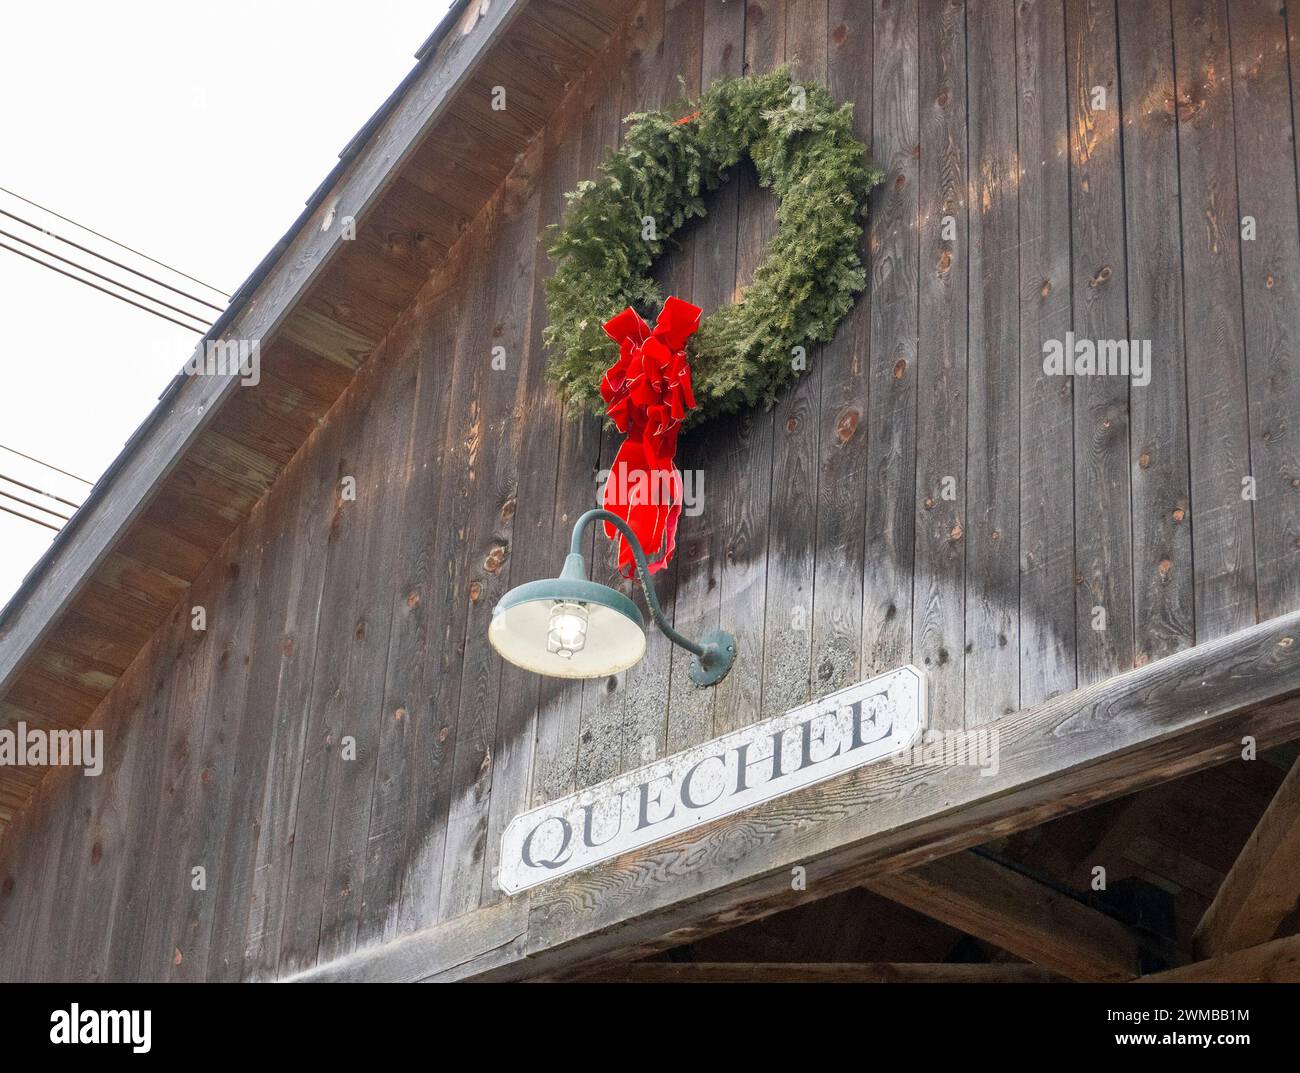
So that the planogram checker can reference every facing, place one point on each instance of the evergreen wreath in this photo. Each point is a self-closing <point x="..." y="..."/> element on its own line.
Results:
<point x="803" y="148"/>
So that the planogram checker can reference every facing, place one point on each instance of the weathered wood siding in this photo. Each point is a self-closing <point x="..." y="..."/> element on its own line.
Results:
<point x="924" y="494"/>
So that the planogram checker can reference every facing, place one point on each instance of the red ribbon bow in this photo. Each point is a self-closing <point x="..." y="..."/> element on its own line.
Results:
<point x="647" y="392"/>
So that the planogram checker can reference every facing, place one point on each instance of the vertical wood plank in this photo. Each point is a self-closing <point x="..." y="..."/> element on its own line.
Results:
<point x="229" y="860"/>
<point x="96" y="902"/>
<point x="742" y="499"/>
<point x="408" y="744"/>
<point x="259" y="647"/>
<point x="395" y="376"/>
<point x="1047" y="619"/>
<point x="507" y="324"/>
<point x="792" y="531"/>
<point x="314" y="476"/>
<point x="1103" y="531"/>
<point x="22" y="888"/>
<point x="180" y="788"/>
<point x="560" y="702"/>
<point x="675" y="73"/>
<point x="149" y="735"/>
<point x="1164" y="619"/>
<point x="641" y="86"/>
<point x="1270" y="266"/>
<point x="76" y="795"/>
<point x="1218" y="426"/>
<point x="841" y="431"/>
<point x="322" y="760"/>
<point x="939" y="619"/>
<point x="891" y="407"/>
<point x="993" y="414"/>
<point x="536" y="547"/>
<point x="28" y="959"/>
<point x="465" y="473"/>
<point x="230" y="592"/>
<point x="1293" y="53"/>
<point x="15" y="889"/>
<point x="712" y="249"/>
<point x="440" y="429"/>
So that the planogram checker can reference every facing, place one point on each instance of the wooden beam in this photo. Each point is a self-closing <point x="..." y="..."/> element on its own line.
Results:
<point x="1277" y="962"/>
<point x="1024" y="917"/>
<point x="191" y="402"/>
<point x="685" y="972"/>
<point x="1261" y="889"/>
<point x="462" y="947"/>
<point x="1147" y="726"/>
<point x="1137" y="729"/>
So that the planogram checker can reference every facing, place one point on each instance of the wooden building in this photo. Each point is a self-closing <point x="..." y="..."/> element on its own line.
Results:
<point x="1111" y="592"/>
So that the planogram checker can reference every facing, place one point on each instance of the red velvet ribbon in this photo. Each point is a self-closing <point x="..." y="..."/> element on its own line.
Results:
<point x="647" y="392"/>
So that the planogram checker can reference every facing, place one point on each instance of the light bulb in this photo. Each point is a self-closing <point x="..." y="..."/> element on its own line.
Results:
<point x="568" y="628"/>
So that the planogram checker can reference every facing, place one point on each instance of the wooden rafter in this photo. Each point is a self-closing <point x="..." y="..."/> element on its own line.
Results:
<point x="1021" y="915"/>
<point x="1262" y="888"/>
<point x="689" y="972"/>
<point x="1276" y="962"/>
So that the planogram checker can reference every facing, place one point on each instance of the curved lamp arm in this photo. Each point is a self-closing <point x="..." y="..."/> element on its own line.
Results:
<point x="714" y="654"/>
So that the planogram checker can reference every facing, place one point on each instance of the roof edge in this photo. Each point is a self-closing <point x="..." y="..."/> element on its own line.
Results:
<point x="258" y="307"/>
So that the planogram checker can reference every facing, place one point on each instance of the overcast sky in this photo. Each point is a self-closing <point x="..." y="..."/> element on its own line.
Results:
<point x="192" y="132"/>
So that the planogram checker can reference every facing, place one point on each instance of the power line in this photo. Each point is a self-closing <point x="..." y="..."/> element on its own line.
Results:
<point x="100" y="275"/>
<point x="15" y="451"/>
<point x="34" y="506"/>
<point x="114" y="241"/>
<point x="105" y="290"/>
<point x="39" y="491"/>
<point x="19" y="514"/>
<point x="102" y="257"/>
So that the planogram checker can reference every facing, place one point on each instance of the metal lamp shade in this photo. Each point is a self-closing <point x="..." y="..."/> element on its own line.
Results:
<point x="615" y="635"/>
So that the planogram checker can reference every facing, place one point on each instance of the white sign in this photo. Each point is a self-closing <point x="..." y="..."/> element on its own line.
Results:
<point x="827" y="737"/>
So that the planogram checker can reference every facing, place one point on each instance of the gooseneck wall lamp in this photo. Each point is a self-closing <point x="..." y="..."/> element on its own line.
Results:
<point x="570" y="627"/>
